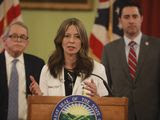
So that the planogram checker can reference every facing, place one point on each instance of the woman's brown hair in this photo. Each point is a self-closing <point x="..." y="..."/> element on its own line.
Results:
<point x="84" y="63"/>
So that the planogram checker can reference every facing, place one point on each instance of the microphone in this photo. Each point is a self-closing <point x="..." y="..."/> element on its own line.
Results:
<point x="105" y="84"/>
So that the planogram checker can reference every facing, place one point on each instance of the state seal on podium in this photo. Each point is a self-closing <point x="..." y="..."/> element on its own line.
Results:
<point x="76" y="107"/>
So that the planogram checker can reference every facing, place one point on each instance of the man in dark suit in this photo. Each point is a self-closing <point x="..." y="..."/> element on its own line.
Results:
<point x="15" y="40"/>
<point x="136" y="77"/>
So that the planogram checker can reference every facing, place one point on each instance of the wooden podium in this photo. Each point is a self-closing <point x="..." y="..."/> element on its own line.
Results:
<point x="112" y="108"/>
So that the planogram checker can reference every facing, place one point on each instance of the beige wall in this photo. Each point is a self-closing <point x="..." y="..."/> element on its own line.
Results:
<point x="43" y="25"/>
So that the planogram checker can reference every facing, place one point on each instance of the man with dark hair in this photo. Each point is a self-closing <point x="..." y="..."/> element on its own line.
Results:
<point x="15" y="81"/>
<point x="133" y="66"/>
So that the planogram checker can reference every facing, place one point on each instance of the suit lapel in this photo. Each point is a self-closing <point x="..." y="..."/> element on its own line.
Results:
<point x="144" y="47"/>
<point x="27" y="72"/>
<point x="61" y="78"/>
<point x="123" y="59"/>
<point x="3" y="74"/>
<point x="3" y="66"/>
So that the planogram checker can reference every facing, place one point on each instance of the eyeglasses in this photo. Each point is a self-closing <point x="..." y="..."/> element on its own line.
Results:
<point x="18" y="37"/>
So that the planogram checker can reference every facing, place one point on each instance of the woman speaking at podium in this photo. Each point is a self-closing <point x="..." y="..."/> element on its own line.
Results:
<point x="70" y="71"/>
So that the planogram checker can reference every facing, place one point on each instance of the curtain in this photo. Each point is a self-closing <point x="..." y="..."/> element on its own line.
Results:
<point x="151" y="20"/>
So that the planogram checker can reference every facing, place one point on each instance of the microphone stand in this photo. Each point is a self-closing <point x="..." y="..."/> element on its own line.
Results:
<point x="105" y="84"/>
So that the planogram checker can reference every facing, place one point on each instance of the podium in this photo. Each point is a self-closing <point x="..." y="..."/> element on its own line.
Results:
<point x="112" y="108"/>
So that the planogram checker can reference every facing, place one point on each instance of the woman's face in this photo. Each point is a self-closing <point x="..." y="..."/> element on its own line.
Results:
<point x="71" y="42"/>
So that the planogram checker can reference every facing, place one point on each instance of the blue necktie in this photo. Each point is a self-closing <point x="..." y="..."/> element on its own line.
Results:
<point x="13" y="93"/>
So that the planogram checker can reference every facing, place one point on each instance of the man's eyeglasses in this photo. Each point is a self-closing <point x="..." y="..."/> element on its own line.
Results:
<point x="18" y="37"/>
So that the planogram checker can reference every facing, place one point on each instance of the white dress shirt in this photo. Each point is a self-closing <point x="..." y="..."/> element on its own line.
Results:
<point x="22" y="83"/>
<point x="137" y="40"/>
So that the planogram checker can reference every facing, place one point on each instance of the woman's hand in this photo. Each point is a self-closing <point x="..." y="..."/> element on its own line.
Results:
<point x="91" y="86"/>
<point x="34" y="87"/>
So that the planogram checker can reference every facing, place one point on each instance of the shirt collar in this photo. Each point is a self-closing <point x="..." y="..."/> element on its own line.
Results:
<point x="136" y="39"/>
<point x="9" y="58"/>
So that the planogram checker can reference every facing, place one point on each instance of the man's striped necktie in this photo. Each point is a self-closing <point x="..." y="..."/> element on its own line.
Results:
<point x="132" y="60"/>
